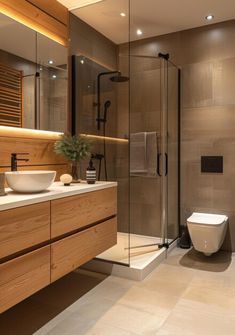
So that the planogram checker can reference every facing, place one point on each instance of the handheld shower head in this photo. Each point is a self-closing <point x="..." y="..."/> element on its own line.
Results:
<point x="107" y="104"/>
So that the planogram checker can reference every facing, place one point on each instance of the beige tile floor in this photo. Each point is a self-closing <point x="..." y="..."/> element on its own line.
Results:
<point x="188" y="294"/>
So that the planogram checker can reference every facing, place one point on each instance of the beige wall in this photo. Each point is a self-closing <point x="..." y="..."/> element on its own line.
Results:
<point x="207" y="58"/>
<point x="88" y="42"/>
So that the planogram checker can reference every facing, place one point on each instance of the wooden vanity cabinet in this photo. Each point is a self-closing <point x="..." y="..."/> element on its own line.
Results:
<point x="23" y="276"/>
<point x="24" y="227"/>
<point x="69" y="253"/>
<point x="79" y="211"/>
<point x="42" y="242"/>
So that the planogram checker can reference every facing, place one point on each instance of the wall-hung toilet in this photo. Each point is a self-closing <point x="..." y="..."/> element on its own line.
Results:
<point x="207" y="231"/>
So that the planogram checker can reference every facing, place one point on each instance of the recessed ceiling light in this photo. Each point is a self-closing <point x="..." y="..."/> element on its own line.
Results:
<point x="51" y="61"/>
<point x="123" y="14"/>
<point x="209" y="17"/>
<point x="82" y="61"/>
<point x="139" y="32"/>
<point x="54" y="76"/>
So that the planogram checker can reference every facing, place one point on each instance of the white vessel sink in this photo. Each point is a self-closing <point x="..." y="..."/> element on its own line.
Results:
<point x="30" y="181"/>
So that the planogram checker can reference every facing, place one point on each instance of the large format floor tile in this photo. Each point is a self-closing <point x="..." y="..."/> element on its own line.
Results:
<point x="187" y="294"/>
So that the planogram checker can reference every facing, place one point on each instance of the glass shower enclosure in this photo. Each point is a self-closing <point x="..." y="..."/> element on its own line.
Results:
<point x="137" y="146"/>
<point x="130" y="110"/>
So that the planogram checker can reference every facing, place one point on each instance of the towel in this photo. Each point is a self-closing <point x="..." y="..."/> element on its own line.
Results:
<point x="138" y="154"/>
<point x="143" y="153"/>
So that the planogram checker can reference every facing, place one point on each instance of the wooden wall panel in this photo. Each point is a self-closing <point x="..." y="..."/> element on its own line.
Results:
<point x="11" y="112"/>
<point x="41" y="152"/>
<point x="41" y="155"/>
<point x="55" y="9"/>
<point x="33" y="17"/>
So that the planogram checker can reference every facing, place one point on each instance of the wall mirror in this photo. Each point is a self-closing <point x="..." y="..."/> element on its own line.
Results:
<point x="33" y="79"/>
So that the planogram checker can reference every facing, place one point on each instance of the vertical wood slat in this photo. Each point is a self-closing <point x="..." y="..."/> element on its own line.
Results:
<point x="10" y="96"/>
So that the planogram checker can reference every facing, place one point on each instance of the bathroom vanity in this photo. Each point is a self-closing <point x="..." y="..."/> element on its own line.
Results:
<point x="44" y="236"/>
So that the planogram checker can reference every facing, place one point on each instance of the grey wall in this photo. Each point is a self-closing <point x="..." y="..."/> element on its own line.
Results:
<point x="87" y="41"/>
<point x="207" y="58"/>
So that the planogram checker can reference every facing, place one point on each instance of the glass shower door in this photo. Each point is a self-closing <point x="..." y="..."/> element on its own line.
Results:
<point x="146" y="162"/>
<point x="154" y="191"/>
<point x="172" y="143"/>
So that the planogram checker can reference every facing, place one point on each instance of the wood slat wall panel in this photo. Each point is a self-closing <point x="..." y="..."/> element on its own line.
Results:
<point x="30" y="15"/>
<point x="41" y="152"/>
<point x="41" y="155"/>
<point x="10" y="96"/>
<point x="56" y="10"/>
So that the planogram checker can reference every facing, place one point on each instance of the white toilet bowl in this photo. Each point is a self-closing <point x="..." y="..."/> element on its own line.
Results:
<point x="207" y="231"/>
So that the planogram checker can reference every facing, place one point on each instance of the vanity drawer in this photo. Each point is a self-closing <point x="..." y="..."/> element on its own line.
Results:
<point x="78" y="211"/>
<point x="23" y="227"/>
<point x="23" y="276"/>
<point x="75" y="250"/>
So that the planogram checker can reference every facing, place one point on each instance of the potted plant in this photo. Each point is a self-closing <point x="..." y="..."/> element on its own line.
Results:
<point x="74" y="148"/>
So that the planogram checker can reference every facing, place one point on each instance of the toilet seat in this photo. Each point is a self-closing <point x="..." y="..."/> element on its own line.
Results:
<point x="207" y="219"/>
<point x="207" y="231"/>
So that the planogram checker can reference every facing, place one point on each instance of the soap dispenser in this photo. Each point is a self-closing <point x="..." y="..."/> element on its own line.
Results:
<point x="91" y="173"/>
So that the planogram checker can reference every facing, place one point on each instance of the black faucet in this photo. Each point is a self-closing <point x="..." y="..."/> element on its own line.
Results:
<point x="14" y="160"/>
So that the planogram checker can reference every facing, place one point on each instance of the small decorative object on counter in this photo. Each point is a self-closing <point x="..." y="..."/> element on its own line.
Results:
<point x="74" y="148"/>
<point x="66" y="179"/>
<point x="2" y="184"/>
<point x="91" y="173"/>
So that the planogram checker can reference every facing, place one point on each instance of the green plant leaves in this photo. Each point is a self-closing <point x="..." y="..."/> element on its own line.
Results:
<point x="74" y="148"/>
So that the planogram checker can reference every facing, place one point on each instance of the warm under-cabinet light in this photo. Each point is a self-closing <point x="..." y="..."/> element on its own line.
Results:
<point x="28" y="133"/>
<point x="113" y="139"/>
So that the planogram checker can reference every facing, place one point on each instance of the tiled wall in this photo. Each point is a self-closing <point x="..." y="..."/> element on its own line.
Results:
<point x="207" y="58"/>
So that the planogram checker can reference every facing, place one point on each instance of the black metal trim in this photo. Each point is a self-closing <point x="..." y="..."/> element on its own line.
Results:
<point x="99" y="119"/>
<point x="164" y="245"/>
<point x="179" y="150"/>
<point x="73" y="97"/>
<point x="158" y="164"/>
<point x="165" y="56"/>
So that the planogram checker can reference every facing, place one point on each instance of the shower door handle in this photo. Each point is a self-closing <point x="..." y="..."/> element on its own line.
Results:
<point x="158" y="164"/>
<point x="166" y="164"/>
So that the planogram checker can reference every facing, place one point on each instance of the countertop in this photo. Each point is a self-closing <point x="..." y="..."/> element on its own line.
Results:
<point x="56" y="191"/>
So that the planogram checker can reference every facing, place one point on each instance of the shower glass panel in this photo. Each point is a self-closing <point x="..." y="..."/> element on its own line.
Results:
<point x="154" y="156"/>
<point x="125" y="98"/>
<point x="172" y="146"/>
<point x="101" y="105"/>
<point x="145" y="156"/>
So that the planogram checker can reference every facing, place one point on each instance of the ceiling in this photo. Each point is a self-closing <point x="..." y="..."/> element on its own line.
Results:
<point x="153" y="17"/>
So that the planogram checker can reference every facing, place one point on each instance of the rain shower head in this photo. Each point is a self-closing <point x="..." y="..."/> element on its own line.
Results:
<point x="119" y="78"/>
